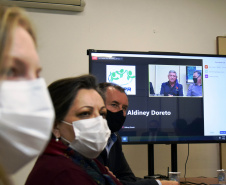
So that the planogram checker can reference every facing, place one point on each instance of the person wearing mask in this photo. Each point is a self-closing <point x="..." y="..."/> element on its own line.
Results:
<point x="26" y="110"/>
<point x="172" y="87"/>
<point x="116" y="102"/>
<point x="80" y="133"/>
<point x="195" y="89"/>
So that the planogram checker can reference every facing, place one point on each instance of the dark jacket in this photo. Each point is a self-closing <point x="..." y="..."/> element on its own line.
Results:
<point x="151" y="89"/>
<point x="117" y="163"/>
<point x="176" y="90"/>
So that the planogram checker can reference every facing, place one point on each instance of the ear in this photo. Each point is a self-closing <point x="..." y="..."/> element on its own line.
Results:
<point x="56" y="131"/>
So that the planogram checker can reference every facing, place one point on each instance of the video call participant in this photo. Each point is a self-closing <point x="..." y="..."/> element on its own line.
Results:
<point x="195" y="89"/>
<point x="172" y="87"/>
<point x="152" y="92"/>
<point x="116" y="102"/>
<point x="27" y="113"/>
<point x="80" y="134"/>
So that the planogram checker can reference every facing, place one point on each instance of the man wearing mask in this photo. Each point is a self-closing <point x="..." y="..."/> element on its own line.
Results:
<point x="116" y="102"/>
<point x="195" y="89"/>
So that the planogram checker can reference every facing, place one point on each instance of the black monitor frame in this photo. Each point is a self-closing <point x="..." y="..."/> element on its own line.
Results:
<point x="97" y="67"/>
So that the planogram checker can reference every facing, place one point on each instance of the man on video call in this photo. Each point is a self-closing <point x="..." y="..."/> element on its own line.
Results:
<point x="172" y="87"/>
<point x="195" y="89"/>
<point x="116" y="102"/>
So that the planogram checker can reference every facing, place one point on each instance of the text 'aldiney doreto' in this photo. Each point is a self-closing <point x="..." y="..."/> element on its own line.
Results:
<point x="146" y="113"/>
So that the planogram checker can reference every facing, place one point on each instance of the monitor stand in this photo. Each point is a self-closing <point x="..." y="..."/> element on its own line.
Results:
<point x="151" y="160"/>
<point x="174" y="157"/>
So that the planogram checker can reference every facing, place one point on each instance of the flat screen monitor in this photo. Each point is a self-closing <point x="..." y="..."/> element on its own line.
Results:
<point x="166" y="105"/>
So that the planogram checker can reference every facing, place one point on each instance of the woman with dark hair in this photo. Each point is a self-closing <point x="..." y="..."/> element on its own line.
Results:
<point x="80" y="134"/>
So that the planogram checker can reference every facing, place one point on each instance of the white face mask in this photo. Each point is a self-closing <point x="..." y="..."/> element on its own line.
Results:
<point x="91" y="136"/>
<point x="26" y="121"/>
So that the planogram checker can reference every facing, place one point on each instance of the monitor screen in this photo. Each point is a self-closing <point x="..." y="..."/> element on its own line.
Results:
<point x="173" y="97"/>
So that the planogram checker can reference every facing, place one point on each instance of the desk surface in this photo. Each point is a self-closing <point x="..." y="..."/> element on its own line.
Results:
<point x="198" y="181"/>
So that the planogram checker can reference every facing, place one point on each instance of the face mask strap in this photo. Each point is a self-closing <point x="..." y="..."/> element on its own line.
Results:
<point x="62" y="138"/>
<point x="65" y="140"/>
<point x="66" y="122"/>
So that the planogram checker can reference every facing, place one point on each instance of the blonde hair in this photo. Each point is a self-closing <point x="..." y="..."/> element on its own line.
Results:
<point x="4" y="180"/>
<point x="10" y="18"/>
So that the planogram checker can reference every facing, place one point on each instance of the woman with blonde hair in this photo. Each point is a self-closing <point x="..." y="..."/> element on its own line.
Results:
<point x="26" y="111"/>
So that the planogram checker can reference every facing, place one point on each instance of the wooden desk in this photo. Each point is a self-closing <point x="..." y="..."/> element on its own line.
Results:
<point x="198" y="181"/>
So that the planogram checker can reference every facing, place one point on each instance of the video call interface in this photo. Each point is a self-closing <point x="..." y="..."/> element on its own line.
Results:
<point x="159" y="113"/>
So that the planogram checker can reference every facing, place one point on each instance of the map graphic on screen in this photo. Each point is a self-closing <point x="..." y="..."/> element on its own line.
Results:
<point x="125" y="76"/>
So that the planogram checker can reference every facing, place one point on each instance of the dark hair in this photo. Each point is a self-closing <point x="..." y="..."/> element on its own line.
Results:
<point x="64" y="91"/>
<point x="103" y="88"/>
<point x="198" y="72"/>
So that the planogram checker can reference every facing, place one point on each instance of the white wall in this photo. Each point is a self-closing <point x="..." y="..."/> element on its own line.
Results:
<point x="189" y="26"/>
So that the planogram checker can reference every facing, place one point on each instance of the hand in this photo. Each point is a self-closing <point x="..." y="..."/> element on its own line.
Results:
<point x="111" y="172"/>
<point x="169" y="182"/>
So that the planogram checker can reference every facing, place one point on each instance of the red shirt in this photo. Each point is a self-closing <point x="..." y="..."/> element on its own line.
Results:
<point x="53" y="167"/>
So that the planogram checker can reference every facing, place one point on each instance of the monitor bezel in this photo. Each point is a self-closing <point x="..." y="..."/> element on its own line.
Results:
<point x="90" y="51"/>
